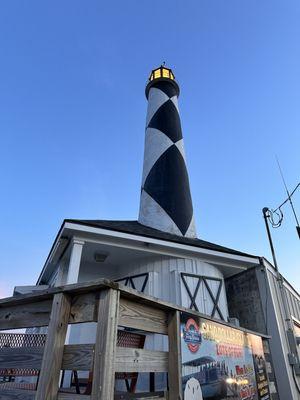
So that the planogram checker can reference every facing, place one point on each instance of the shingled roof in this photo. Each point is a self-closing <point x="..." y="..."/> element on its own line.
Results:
<point x="135" y="228"/>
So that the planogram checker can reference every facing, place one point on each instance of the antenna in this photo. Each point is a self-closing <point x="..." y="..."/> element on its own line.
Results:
<point x="289" y="197"/>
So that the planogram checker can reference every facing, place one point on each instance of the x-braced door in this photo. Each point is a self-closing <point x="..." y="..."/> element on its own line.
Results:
<point x="138" y="282"/>
<point x="202" y="293"/>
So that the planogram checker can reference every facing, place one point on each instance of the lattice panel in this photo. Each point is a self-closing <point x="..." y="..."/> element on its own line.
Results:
<point x="128" y="339"/>
<point x="19" y="372"/>
<point x="15" y="340"/>
<point x="22" y="340"/>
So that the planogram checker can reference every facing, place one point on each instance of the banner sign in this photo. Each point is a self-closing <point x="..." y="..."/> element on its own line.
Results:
<point x="220" y="362"/>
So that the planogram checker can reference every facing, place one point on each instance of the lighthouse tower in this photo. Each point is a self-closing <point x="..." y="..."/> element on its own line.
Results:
<point x="159" y="254"/>
<point x="166" y="202"/>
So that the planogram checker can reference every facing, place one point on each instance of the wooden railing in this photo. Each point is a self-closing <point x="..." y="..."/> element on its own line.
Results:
<point x="110" y="305"/>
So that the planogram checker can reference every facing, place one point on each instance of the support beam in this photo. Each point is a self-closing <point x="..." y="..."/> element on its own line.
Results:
<point x="175" y="386"/>
<point x="53" y="353"/>
<point x="105" y="346"/>
<point x="72" y="277"/>
<point x="75" y="259"/>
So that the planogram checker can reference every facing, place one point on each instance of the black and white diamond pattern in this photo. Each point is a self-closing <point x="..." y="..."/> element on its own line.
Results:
<point x="166" y="202"/>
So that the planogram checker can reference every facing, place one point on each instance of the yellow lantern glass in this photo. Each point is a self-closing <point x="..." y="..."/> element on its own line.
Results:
<point x="157" y="74"/>
<point x="161" y="72"/>
<point x="165" y="73"/>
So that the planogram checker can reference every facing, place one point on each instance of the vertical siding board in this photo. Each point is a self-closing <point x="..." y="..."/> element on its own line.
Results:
<point x="290" y="301"/>
<point x="293" y="305"/>
<point x="201" y="295"/>
<point x="298" y="309"/>
<point x="164" y="288"/>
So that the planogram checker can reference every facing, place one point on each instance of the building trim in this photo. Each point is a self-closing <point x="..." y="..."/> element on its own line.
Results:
<point x="161" y="242"/>
<point x="146" y="243"/>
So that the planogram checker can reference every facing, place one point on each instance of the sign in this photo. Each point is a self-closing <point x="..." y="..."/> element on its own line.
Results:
<point x="192" y="335"/>
<point x="220" y="362"/>
<point x="260" y="367"/>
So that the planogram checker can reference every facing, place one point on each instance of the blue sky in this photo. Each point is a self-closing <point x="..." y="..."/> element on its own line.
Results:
<point x="72" y="78"/>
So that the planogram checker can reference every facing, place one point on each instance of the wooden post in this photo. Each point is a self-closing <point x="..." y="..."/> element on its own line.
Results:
<point x="105" y="346"/>
<point x="175" y="384"/>
<point x="53" y="352"/>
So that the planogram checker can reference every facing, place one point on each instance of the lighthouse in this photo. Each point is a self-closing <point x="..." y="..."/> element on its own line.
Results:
<point x="166" y="202"/>
<point x="160" y="255"/>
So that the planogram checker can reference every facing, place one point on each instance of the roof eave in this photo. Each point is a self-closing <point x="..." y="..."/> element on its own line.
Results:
<point x="77" y="225"/>
<point x="52" y="250"/>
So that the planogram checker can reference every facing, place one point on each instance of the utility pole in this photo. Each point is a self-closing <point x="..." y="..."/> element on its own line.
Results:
<point x="266" y="214"/>
<point x="292" y="341"/>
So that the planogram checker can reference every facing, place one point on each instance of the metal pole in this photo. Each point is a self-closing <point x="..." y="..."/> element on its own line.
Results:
<point x="279" y="276"/>
<point x="265" y="211"/>
<point x="293" y="351"/>
<point x="280" y="281"/>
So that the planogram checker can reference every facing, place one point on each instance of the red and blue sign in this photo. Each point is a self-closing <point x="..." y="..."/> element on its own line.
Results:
<point x="192" y="335"/>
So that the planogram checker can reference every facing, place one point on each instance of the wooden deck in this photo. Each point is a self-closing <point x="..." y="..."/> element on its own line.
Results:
<point x="110" y="305"/>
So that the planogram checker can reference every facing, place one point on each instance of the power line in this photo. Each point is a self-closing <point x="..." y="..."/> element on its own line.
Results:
<point x="285" y="201"/>
<point x="276" y="215"/>
<point x="287" y="191"/>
